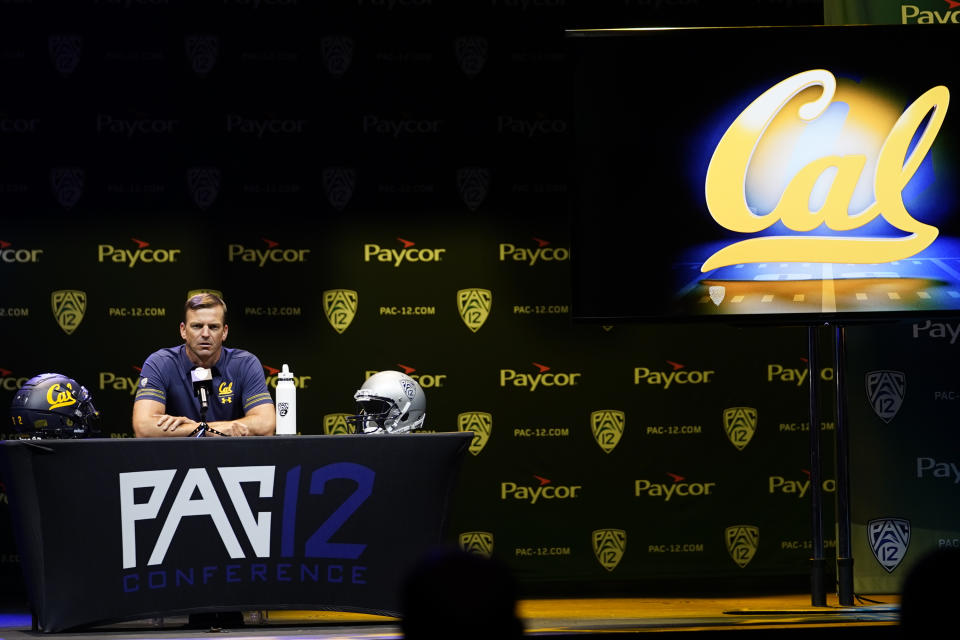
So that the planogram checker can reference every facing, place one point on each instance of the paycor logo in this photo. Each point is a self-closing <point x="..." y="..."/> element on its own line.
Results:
<point x="406" y="254"/>
<point x="9" y="382"/>
<point x="11" y="255"/>
<point x="272" y="254"/>
<point x="679" y="487"/>
<point x="544" y="490"/>
<point x="679" y="375"/>
<point x="912" y="14"/>
<point x="119" y="382"/>
<point x="543" y="378"/>
<point x="543" y="252"/>
<point x="109" y="253"/>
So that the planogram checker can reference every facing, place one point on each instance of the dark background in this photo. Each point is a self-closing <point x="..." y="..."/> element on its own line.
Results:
<point x="323" y="127"/>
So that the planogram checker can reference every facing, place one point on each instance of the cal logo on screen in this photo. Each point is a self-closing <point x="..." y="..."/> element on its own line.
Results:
<point x="297" y="556"/>
<point x="895" y="165"/>
<point x="889" y="539"/>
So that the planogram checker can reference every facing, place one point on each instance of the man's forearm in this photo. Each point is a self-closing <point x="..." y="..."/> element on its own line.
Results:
<point x="259" y="421"/>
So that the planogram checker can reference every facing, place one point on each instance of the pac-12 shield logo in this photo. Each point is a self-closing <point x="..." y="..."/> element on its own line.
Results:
<point x="471" y="54"/>
<point x="480" y="423"/>
<point x="338" y="183"/>
<point x="740" y="423"/>
<point x="335" y="424"/>
<point x="473" y="184"/>
<point x="474" y="306"/>
<point x="609" y="546"/>
<point x="337" y="52"/>
<point x="203" y="185"/>
<point x="607" y="428"/>
<point x="889" y="539"/>
<point x="742" y="541"/>
<point x="69" y="305"/>
<point x="340" y="307"/>
<point x="885" y="390"/>
<point x="202" y="52"/>
<point x="478" y="542"/>
<point x="67" y="185"/>
<point x="65" y="52"/>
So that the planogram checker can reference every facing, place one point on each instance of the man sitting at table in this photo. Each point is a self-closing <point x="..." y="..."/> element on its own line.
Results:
<point x="165" y="403"/>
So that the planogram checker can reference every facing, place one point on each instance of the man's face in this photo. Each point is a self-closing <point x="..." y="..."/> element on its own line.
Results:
<point x="204" y="333"/>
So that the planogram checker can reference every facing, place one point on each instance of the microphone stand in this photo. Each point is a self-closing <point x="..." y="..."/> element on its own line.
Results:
<point x="203" y="427"/>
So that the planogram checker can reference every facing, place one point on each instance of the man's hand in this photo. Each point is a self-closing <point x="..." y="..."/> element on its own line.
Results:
<point x="176" y="425"/>
<point x="234" y="428"/>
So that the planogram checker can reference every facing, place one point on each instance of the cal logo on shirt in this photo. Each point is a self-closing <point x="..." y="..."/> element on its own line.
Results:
<point x="225" y="392"/>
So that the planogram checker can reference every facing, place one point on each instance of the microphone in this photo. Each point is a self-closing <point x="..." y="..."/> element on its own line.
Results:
<point x="202" y="386"/>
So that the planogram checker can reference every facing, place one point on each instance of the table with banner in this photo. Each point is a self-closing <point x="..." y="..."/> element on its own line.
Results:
<point x="115" y="529"/>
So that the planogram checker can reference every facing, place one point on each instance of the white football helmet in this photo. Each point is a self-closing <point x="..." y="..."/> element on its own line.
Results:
<point x="389" y="402"/>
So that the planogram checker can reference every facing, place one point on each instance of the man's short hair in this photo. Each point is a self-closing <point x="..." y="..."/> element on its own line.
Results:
<point x="205" y="301"/>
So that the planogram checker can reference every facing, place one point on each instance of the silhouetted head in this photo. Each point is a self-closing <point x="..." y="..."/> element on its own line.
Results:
<point x="455" y="594"/>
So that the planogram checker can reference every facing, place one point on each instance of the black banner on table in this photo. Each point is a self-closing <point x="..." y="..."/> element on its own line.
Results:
<point x="113" y="530"/>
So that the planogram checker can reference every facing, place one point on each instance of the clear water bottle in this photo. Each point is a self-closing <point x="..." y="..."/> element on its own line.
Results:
<point x="286" y="403"/>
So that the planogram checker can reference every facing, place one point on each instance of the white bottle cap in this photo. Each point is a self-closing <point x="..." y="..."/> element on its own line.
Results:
<point x="285" y="374"/>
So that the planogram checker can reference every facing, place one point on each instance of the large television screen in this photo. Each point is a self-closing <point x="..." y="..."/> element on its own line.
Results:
<point x="779" y="174"/>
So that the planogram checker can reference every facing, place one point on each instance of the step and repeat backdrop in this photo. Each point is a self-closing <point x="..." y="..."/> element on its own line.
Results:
<point x="383" y="185"/>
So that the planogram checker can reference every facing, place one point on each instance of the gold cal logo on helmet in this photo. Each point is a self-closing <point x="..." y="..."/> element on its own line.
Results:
<point x="340" y="306"/>
<point x="607" y="427"/>
<point x="474" y="305"/>
<point x="480" y="423"/>
<point x="742" y="541"/>
<point x="609" y="546"/>
<point x="58" y="396"/>
<point x="478" y="542"/>
<point x="335" y="424"/>
<point x="740" y="423"/>
<point x="69" y="305"/>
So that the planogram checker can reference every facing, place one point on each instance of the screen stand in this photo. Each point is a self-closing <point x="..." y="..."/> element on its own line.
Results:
<point x="818" y="596"/>
<point x="844" y="551"/>
<point x="818" y="592"/>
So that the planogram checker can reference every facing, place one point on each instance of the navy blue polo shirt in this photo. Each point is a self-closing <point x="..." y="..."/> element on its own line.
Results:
<point x="238" y="384"/>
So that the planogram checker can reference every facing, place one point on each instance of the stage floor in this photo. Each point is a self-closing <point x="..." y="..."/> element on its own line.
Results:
<point x="556" y="618"/>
